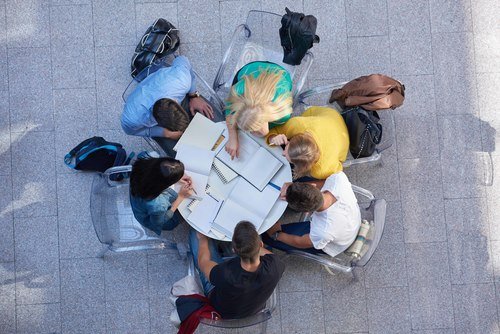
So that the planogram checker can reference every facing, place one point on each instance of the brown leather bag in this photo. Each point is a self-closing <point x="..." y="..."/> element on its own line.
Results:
<point x="372" y="92"/>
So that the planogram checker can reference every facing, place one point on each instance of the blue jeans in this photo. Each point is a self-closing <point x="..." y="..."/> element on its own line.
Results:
<point x="172" y="222"/>
<point x="214" y="256"/>
<point x="299" y="229"/>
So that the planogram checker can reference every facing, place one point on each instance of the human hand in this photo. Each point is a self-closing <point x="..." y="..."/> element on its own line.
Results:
<point x="200" y="105"/>
<point x="172" y="134"/>
<point x="186" y="179"/>
<point x="185" y="191"/>
<point x="278" y="140"/>
<point x="232" y="147"/>
<point x="283" y="190"/>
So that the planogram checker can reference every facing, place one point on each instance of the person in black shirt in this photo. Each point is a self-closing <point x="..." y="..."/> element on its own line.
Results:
<point x="239" y="287"/>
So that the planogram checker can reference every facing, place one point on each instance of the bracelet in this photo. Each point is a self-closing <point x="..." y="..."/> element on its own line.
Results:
<point x="274" y="236"/>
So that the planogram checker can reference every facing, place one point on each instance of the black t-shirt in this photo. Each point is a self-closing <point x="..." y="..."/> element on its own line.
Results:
<point x="239" y="293"/>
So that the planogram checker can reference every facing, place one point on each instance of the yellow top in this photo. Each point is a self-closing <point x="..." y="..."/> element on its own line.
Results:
<point x="330" y="133"/>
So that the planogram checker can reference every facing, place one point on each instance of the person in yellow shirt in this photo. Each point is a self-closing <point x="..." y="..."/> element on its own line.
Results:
<point x="317" y="142"/>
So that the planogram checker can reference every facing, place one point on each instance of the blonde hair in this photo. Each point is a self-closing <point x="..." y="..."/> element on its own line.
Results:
<point x="304" y="153"/>
<point x="255" y="106"/>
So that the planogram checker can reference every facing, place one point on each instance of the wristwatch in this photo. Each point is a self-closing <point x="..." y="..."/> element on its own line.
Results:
<point x="193" y="95"/>
<point x="274" y="236"/>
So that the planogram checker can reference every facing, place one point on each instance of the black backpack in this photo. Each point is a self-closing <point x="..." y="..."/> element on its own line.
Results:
<point x="297" y="35"/>
<point x="97" y="155"/>
<point x="365" y="131"/>
<point x="160" y="40"/>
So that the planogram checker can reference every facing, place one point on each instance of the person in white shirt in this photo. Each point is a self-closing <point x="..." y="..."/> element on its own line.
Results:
<point x="334" y="223"/>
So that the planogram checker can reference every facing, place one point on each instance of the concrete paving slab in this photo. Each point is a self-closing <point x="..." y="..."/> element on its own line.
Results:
<point x="388" y="310"/>
<point x="40" y="318"/>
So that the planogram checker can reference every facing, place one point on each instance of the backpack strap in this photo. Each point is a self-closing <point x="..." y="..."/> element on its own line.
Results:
<point x="72" y="154"/>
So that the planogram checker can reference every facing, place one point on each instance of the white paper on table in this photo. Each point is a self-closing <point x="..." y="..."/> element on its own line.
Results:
<point x="204" y="213"/>
<point x="195" y="159"/>
<point x="245" y="202"/>
<point x="201" y="132"/>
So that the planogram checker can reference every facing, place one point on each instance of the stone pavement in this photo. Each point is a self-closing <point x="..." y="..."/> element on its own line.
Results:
<point x="65" y="64"/>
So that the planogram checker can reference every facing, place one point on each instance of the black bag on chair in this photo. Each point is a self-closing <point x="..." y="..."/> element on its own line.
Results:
<point x="161" y="39"/>
<point x="364" y="129"/>
<point x="297" y="35"/>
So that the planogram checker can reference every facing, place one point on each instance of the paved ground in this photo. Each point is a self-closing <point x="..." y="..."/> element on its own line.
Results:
<point x="65" y="64"/>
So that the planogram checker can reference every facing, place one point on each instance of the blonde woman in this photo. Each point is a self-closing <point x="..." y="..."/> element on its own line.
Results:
<point x="260" y="99"/>
<point x="317" y="142"/>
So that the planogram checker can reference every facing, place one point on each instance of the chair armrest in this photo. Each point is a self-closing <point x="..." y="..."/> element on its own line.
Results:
<point x="116" y="170"/>
<point x="328" y="262"/>
<point x="308" y="59"/>
<point x="318" y="90"/>
<point x="155" y="146"/>
<point x="220" y="73"/>
<point x="363" y="192"/>
<point x="379" y="212"/>
<point x="212" y="94"/>
<point x="372" y="158"/>
<point x="252" y="320"/>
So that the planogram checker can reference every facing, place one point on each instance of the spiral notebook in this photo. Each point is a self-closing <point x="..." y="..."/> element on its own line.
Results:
<point x="225" y="173"/>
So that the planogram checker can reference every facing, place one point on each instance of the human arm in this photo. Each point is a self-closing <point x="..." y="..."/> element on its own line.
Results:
<point x="302" y="241"/>
<point x="205" y="262"/>
<point x="291" y="128"/>
<point x="232" y="145"/>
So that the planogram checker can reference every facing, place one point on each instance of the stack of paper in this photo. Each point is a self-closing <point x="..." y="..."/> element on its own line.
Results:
<point x="197" y="164"/>
<point x="245" y="202"/>
<point x="201" y="132"/>
<point x="204" y="213"/>
<point x="256" y="164"/>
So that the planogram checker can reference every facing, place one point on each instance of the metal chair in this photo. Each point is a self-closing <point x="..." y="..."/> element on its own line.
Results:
<point x="374" y="212"/>
<point x="319" y="97"/>
<point x="258" y="40"/>
<point x="114" y="221"/>
<point x="258" y="320"/>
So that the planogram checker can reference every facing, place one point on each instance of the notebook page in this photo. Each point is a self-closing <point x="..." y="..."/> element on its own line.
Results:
<point x="195" y="159"/>
<point x="201" y="132"/>
<point x="247" y="149"/>
<point x="249" y="197"/>
<point x="230" y="214"/>
<point x="204" y="213"/>
<point x="261" y="168"/>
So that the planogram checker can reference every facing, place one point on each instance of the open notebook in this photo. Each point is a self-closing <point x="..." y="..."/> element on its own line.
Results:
<point x="197" y="164"/>
<point x="201" y="132"/>
<point x="244" y="202"/>
<point x="256" y="164"/>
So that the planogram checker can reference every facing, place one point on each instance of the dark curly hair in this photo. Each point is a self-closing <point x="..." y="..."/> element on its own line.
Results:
<point x="150" y="177"/>
<point x="304" y="197"/>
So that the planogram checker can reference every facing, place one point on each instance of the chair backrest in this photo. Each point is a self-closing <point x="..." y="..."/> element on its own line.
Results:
<point x="259" y="318"/>
<point x="374" y="212"/>
<point x="319" y="96"/>
<point x="113" y="218"/>
<point x="258" y="40"/>
<point x="201" y="85"/>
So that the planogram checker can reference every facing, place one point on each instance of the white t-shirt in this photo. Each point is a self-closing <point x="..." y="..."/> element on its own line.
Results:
<point x="333" y="230"/>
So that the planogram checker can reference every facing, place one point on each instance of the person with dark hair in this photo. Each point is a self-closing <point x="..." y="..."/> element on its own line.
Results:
<point x="334" y="223"/>
<point x="238" y="287"/>
<point x="153" y="203"/>
<point x="175" y="83"/>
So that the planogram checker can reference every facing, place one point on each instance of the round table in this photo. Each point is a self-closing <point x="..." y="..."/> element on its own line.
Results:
<point x="282" y="176"/>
